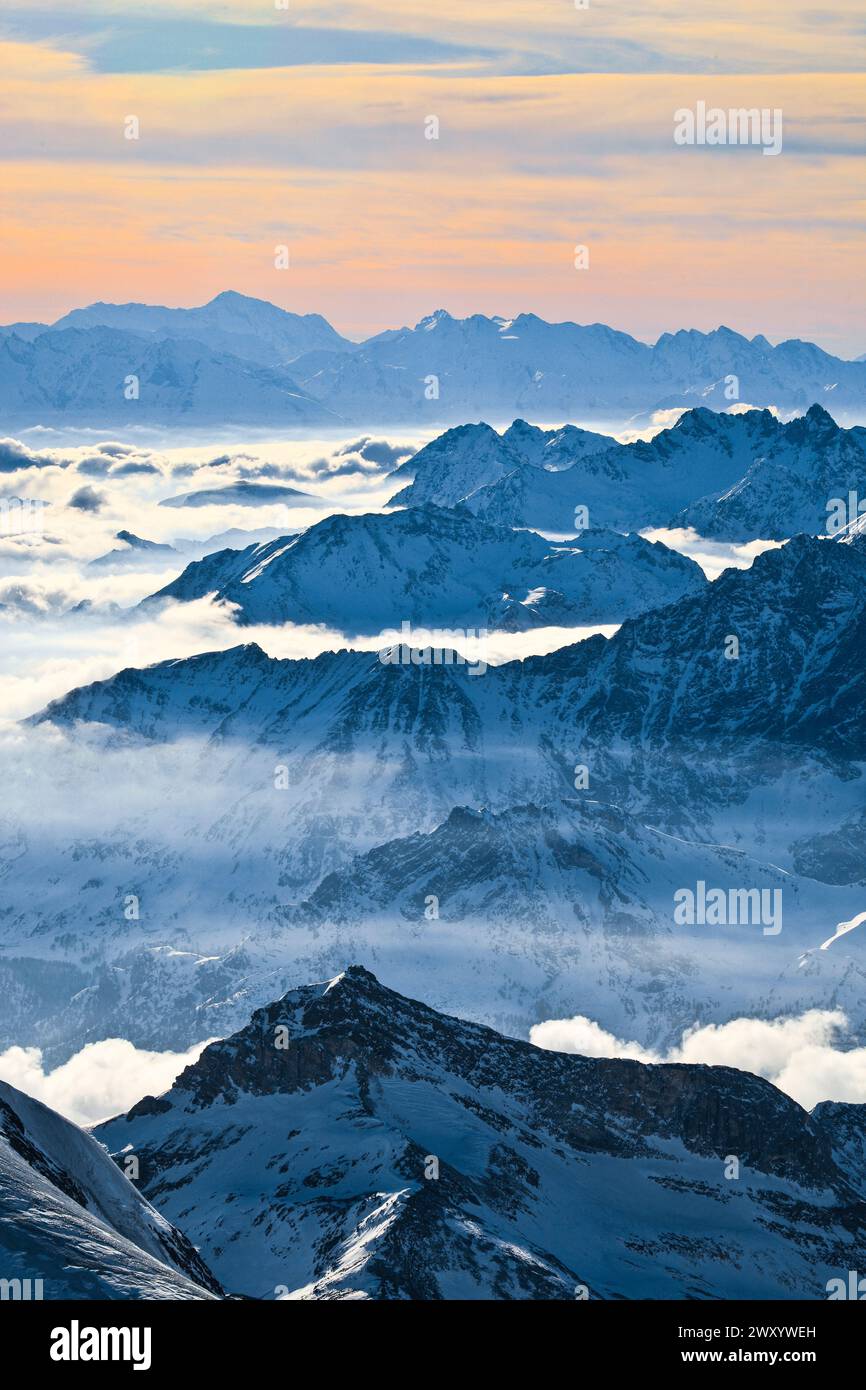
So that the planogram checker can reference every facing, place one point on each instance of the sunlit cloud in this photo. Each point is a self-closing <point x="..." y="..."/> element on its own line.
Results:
<point x="102" y="1080"/>
<point x="518" y="35"/>
<point x="806" y="1055"/>
<point x="714" y="557"/>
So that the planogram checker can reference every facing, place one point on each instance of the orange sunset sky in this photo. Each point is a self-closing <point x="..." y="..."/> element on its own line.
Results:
<point x="305" y="126"/>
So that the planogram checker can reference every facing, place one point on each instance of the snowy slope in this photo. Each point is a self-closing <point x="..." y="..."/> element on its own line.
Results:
<point x="305" y="1170"/>
<point x="789" y="486"/>
<point x="548" y="502"/>
<point x="68" y="1216"/>
<point x="636" y="485"/>
<point x="469" y="457"/>
<point x="435" y="567"/>
<point x="855" y="531"/>
<point x="454" y="464"/>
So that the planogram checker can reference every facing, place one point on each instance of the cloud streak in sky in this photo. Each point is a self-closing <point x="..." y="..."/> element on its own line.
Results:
<point x="384" y="225"/>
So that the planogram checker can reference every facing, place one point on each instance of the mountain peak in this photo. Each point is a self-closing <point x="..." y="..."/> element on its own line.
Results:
<point x="231" y="296"/>
<point x="300" y="1040"/>
<point x="355" y="979"/>
<point x="701" y="420"/>
<point x="137" y="542"/>
<point x="327" y="1190"/>
<point x="817" y="415"/>
<point x="431" y="321"/>
<point x="816" y="425"/>
<point x="233" y="299"/>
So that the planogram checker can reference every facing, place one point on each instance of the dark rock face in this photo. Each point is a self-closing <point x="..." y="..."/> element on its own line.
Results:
<point x="844" y="1127"/>
<point x="312" y="1132"/>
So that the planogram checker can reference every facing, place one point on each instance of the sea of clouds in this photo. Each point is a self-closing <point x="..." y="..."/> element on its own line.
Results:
<point x="65" y="622"/>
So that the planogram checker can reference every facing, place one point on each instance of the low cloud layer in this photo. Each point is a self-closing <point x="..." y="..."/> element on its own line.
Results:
<point x="714" y="557"/>
<point x="103" y="1079"/>
<point x="803" y="1055"/>
<point x="45" y="659"/>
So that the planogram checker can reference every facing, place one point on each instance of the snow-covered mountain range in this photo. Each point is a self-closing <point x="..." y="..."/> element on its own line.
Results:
<point x="555" y="719"/>
<point x="351" y="1143"/>
<point x="249" y="328"/>
<point x="733" y="477"/>
<point x="527" y="367"/>
<point x="796" y="484"/>
<point x="112" y="377"/>
<point x="70" y="1219"/>
<point x="242" y="360"/>
<point x="798" y="613"/>
<point x="468" y="457"/>
<point x="434" y="568"/>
